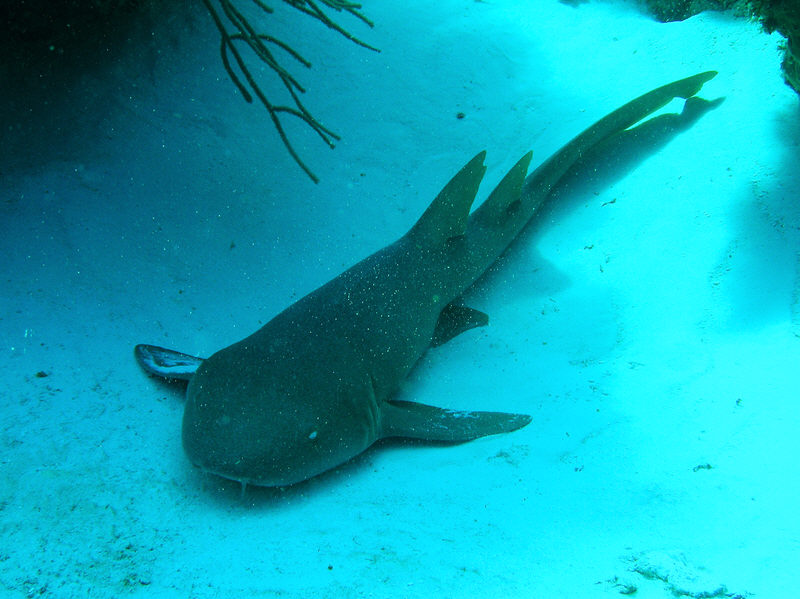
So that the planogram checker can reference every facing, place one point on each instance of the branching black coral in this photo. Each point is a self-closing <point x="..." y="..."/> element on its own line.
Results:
<point x="262" y="45"/>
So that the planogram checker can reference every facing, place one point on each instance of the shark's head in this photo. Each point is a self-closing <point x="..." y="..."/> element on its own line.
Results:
<point x="255" y="422"/>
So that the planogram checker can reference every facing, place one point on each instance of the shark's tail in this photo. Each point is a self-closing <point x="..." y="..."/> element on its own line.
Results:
<point x="491" y="227"/>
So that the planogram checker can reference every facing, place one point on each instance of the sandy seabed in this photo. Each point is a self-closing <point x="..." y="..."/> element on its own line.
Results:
<point x="648" y="321"/>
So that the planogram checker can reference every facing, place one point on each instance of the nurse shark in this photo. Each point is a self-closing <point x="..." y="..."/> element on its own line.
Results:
<point x="317" y="384"/>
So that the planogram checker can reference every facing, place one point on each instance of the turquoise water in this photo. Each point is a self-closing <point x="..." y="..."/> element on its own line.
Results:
<point x="648" y="321"/>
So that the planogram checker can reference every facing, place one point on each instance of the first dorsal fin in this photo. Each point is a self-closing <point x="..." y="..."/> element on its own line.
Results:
<point x="447" y="215"/>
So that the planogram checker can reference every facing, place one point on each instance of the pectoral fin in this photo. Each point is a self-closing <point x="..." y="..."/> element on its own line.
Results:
<point x="166" y="363"/>
<point x="420" y="421"/>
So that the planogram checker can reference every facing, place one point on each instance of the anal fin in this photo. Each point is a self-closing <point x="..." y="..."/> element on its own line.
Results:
<point x="419" y="421"/>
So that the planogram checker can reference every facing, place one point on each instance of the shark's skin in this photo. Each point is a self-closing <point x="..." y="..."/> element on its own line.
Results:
<point x="315" y="386"/>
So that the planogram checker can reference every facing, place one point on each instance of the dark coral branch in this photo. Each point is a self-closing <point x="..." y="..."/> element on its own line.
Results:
<point x="258" y="42"/>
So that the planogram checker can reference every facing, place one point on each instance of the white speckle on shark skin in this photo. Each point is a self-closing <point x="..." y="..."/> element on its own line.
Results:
<point x="462" y="414"/>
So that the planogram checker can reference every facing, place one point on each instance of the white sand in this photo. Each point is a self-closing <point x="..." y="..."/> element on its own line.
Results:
<point x="654" y="339"/>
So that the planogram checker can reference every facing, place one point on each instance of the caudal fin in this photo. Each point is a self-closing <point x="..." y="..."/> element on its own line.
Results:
<point x="494" y="224"/>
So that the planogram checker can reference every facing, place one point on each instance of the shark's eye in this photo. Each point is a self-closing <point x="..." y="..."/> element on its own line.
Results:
<point x="313" y="435"/>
